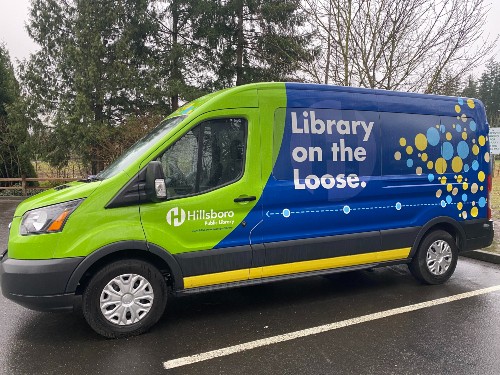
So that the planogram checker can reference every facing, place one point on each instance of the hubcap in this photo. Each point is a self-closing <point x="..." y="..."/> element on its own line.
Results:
<point x="439" y="257"/>
<point x="126" y="299"/>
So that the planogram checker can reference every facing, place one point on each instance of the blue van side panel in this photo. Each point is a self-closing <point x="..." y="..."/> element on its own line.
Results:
<point x="364" y="161"/>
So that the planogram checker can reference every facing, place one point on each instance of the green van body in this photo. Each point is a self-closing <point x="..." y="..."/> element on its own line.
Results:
<point x="293" y="210"/>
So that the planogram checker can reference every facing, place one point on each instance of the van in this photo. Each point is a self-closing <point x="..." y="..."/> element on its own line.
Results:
<point x="253" y="184"/>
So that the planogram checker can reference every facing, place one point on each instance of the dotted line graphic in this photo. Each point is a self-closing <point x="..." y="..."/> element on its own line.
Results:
<point x="286" y="213"/>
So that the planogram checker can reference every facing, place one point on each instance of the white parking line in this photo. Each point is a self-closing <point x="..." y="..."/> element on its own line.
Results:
<point x="179" y="362"/>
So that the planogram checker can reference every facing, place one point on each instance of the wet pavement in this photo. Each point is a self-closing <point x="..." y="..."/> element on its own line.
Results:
<point x="460" y="337"/>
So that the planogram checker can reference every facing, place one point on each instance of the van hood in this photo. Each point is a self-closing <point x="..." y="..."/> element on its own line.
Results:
<point x="59" y="194"/>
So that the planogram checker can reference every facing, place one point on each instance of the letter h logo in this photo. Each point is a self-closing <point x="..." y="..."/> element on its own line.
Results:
<point x="176" y="216"/>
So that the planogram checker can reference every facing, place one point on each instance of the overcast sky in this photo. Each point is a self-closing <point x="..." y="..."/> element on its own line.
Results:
<point x="14" y="15"/>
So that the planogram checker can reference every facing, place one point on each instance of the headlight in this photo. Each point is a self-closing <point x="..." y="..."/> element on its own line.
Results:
<point x="48" y="219"/>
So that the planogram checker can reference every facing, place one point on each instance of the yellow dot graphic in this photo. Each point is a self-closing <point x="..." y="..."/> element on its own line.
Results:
<point x="474" y="212"/>
<point x="441" y="166"/>
<point x="448" y="136"/>
<point x="473" y="188"/>
<point x="457" y="108"/>
<point x="438" y="193"/>
<point x="430" y="164"/>
<point x="409" y="150"/>
<point x="475" y="149"/>
<point x="481" y="188"/>
<point x="470" y="103"/>
<point x="460" y="178"/>
<point x="420" y="142"/>
<point x="481" y="140"/>
<point x="419" y="170"/>
<point x="460" y="205"/>
<point x="464" y="136"/>
<point x="397" y="155"/>
<point x="443" y="180"/>
<point x="487" y="157"/>
<point x="481" y="176"/>
<point x="449" y="187"/>
<point x="457" y="164"/>
<point x="402" y="142"/>
<point x="465" y="186"/>
<point x="424" y="157"/>
<point x="454" y="191"/>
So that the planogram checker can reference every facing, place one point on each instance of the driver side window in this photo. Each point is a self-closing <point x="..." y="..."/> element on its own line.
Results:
<point x="208" y="156"/>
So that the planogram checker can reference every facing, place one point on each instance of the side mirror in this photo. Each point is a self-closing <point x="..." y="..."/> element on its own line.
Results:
<point x="156" y="189"/>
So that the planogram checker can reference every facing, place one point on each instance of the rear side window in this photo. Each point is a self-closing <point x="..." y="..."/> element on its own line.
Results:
<point x="208" y="156"/>
<point x="427" y="145"/>
<point x="411" y="143"/>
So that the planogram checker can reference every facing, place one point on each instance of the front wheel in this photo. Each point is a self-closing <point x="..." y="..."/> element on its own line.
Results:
<point x="436" y="258"/>
<point x="125" y="298"/>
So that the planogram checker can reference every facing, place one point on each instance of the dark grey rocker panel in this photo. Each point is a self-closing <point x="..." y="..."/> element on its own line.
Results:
<point x="240" y="257"/>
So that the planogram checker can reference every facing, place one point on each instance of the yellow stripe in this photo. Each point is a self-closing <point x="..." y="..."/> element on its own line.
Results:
<point x="296" y="267"/>
<point x="216" y="278"/>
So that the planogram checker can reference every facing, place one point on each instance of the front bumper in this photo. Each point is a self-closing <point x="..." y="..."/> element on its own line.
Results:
<point x="38" y="284"/>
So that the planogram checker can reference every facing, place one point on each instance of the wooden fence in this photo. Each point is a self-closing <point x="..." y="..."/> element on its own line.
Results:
<point x="24" y="183"/>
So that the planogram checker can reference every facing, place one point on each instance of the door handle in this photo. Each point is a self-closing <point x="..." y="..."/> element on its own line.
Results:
<point x="245" y="199"/>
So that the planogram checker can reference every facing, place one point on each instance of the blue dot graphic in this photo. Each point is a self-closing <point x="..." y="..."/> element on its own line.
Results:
<point x="464" y="197"/>
<point x="459" y="128"/>
<point x="443" y="204"/>
<point x="432" y="136"/>
<point x="482" y="202"/>
<point x="448" y="199"/>
<point x="409" y="163"/>
<point x="475" y="165"/>
<point x="430" y="177"/>
<point x="398" y="206"/>
<point x="442" y="128"/>
<point x="286" y="212"/>
<point x="346" y="209"/>
<point x="466" y="167"/>
<point x="447" y="150"/>
<point x="460" y="101"/>
<point x="473" y="125"/>
<point x="463" y="149"/>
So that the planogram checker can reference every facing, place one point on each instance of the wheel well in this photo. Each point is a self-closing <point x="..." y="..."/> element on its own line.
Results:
<point x="447" y="227"/>
<point x="147" y="256"/>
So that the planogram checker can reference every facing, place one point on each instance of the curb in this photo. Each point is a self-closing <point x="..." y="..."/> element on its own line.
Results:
<point x="485" y="256"/>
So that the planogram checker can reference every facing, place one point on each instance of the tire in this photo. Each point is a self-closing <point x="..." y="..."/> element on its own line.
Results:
<point x="436" y="258"/>
<point x="116" y="290"/>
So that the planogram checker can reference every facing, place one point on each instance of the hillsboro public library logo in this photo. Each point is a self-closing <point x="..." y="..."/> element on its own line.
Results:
<point x="176" y="216"/>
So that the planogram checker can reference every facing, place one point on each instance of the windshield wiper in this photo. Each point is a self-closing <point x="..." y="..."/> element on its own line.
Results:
<point x="90" y="178"/>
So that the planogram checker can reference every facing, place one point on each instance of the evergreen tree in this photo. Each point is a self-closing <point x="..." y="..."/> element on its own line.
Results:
<point x="97" y="65"/>
<point x="249" y="40"/>
<point x="489" y="91"/>
<point x="14" y="149"/>
<point x="471" y="90"/>
<point x="179" y="52"/>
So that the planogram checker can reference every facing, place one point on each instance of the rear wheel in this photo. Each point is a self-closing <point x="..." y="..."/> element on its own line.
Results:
<point x="436" y="258"/>
<point x="125" y="298"/>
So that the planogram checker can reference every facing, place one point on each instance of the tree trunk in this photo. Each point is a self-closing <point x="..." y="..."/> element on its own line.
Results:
<point x="240" y="39"/>
<point x="176" y="75"/>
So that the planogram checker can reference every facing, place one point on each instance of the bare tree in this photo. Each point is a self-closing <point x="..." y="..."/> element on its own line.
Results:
<point x="413" y="45"/>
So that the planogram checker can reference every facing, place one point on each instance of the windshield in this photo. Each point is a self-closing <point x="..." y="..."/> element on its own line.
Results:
<point x="140" y="147"/>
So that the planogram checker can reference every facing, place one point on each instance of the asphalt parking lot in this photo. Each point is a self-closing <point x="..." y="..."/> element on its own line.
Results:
<point x="364" y="322"/>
